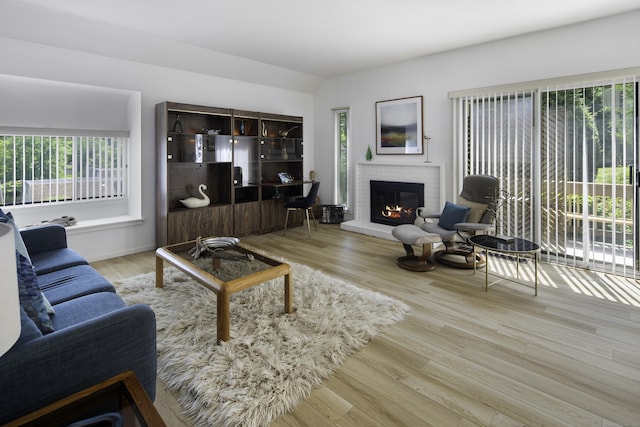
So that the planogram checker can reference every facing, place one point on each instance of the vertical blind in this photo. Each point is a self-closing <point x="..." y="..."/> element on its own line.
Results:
<point x="566" y="158"/>
<point x="588" y="137"/>
<point x="498" y="140"/>
<point x="38" y="169"/>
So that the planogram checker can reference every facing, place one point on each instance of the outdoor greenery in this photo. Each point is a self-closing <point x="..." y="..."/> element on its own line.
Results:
<point x="598" y="127"/>
<point x="343" y="122"/>
<point x="24" y="158"/>
<point x="37" y="159"/>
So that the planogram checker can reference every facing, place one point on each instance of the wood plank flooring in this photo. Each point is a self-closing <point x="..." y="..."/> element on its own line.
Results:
<point x="463" y="356"/>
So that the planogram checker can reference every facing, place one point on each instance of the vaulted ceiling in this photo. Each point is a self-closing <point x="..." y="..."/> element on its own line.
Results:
<point x="314" y="38"/>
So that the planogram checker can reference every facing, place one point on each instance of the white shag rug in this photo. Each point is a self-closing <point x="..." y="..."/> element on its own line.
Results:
<point x="273" y="359"/>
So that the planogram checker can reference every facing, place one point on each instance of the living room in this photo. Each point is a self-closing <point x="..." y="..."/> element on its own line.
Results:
<point x="42" y="61"/>
<point x="555" y="53"/>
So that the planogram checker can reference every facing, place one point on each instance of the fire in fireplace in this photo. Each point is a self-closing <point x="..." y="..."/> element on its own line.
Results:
<point x="395" y="203"/>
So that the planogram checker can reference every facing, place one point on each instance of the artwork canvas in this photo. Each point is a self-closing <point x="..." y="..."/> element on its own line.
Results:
<point x="399" y="126"/>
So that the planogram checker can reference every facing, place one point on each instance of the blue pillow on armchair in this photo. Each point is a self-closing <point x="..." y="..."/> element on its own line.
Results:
<point x="453" y="214"/>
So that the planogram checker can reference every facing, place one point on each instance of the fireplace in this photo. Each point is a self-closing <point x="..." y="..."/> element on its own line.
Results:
<point x="394" y="203"/>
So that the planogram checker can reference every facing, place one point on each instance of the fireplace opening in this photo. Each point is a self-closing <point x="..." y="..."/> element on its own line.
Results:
<point x="394" y="203"/>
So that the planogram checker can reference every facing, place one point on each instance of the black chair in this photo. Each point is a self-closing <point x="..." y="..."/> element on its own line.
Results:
<point x="303" y="203"/>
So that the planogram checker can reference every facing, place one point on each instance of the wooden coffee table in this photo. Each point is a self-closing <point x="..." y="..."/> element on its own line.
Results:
<point x="178" y="256"/>
<point x="123" y="394"/>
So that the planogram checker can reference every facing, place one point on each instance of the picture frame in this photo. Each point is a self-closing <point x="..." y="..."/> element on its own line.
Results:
<point x="399" y="128"/>
<point x="285" y="178"/>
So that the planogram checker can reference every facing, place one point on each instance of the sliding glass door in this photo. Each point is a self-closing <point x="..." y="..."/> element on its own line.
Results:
<point x="566" y="158"/>
<point x="589" y="158"/>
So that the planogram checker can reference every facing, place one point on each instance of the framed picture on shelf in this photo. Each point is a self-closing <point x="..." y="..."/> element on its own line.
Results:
<point x="285" y="178"/>
<point x="399" y="126"/>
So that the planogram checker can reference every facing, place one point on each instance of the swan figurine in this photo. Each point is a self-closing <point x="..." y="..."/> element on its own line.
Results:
<point x="194" y="202"/>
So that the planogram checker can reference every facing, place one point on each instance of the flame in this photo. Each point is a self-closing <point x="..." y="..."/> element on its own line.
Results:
<point x="396" y="211"/>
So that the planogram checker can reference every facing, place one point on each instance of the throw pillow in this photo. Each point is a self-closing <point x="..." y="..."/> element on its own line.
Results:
<point x="7" y="218"/>
<point x="31" y="297"/>
<point x="453" y="214"/>
<point x="477" y="209"/>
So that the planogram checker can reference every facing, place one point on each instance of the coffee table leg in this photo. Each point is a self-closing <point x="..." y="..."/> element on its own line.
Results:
<point x="288" y="297"/>
<point x="486" y="272"/>
<point x="159" y="272"/>
<point x="223" y="299"/>
<point x="535" y="260"/>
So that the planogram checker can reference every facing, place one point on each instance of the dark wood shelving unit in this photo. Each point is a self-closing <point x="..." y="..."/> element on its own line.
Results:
<point x="238" y="155"/>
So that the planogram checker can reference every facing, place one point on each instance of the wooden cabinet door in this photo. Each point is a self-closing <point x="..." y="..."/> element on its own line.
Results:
<point x="189" y="224"/>
<point x="274" y="214"/>
<point x="246" y="218"/>
<point x="221" y="221"/>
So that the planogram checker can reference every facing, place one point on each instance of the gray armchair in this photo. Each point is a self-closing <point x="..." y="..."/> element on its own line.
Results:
<point x="473" y="213"/>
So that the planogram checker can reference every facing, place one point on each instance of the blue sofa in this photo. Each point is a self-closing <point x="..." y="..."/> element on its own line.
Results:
<point x="95" y="334"/>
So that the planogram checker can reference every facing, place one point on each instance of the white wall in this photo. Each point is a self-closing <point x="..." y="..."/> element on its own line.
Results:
<point x="601" y="45"/>
<point x="595" y="46"/>
<point x="156" y="84"/>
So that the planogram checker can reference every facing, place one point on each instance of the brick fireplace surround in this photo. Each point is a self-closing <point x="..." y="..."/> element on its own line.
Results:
<point x="430" y="174"/>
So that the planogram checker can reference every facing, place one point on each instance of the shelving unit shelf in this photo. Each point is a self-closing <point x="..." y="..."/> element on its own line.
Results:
<point x="240" y="156"/>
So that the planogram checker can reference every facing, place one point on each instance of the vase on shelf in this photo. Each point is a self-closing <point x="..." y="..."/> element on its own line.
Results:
<point x="177" y="126"/>
<point x="368" y="156"/>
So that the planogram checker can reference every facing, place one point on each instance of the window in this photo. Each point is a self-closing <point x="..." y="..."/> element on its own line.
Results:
<point x="44" y="169"/>
<point x="566" y="154"/>
<point x="342" y="157"/>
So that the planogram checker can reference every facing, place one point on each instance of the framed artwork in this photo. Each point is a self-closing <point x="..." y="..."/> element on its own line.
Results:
<point x="399" y="126"/>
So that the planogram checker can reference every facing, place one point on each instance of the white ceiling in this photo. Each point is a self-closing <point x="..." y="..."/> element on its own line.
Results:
<point x="320" y="38"/>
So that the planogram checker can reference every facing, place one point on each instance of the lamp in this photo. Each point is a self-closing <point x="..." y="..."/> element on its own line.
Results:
<point x="9" y="303"/>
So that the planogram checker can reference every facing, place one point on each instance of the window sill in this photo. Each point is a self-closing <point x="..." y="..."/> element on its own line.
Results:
<point x="90" y="226"/>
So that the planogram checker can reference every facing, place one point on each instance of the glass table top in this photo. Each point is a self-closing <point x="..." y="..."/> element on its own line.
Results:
<point x="513" y="245"/>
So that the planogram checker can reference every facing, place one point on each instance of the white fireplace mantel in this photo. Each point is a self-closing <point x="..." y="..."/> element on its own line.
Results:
<point x="429" y="174"/>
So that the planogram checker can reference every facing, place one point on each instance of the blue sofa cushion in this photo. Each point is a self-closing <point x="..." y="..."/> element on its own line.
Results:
<point x="31" y="298"/>
<point x="56" y="259"/>
<point x="44" y="238"/>
<point x="453" y="214"/>
<point x="85" y="308"/>
<point x="72" y="282"/>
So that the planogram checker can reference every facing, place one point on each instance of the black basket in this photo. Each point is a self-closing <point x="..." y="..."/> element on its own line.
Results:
<point x="331" y="214"/>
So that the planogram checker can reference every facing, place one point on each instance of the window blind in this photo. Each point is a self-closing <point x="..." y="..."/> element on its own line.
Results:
<point x="566" y="157"/>
<point x="45" y="169"/>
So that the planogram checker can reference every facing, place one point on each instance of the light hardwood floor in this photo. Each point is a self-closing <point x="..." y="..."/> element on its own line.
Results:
<point x="463" y="356"/>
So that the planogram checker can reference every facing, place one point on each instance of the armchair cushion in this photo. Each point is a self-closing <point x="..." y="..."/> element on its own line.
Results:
<point x="453" y="214"/>
<point x="476" y="211"/>
<point x="445" y="234"/>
